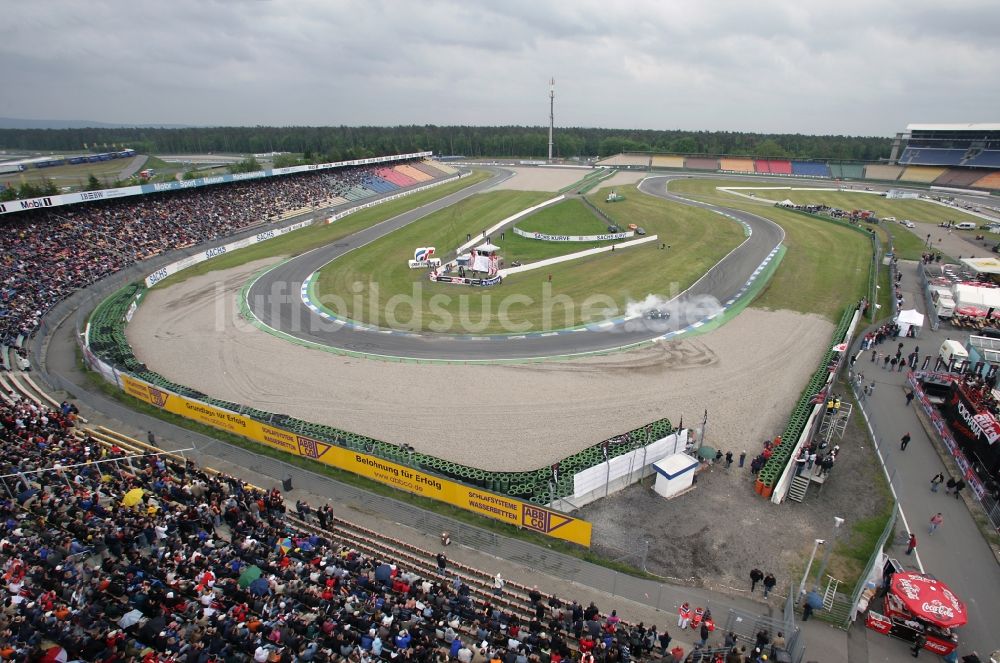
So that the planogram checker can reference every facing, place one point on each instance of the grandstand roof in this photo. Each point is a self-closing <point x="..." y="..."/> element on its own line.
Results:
<point x="971" y="126"/>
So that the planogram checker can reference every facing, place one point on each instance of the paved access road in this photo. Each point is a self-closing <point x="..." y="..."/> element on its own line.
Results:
<point x="276" y="302"/>
<point x="956" y="553"/>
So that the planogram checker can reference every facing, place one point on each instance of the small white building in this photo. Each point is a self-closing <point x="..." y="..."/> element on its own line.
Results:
<point x="674" y="474"/>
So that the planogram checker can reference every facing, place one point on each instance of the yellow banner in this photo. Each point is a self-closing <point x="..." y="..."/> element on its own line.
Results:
<point x="491" y="505"/>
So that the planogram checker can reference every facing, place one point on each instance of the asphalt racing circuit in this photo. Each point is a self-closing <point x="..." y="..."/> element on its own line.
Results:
<point x="276" y="302"/>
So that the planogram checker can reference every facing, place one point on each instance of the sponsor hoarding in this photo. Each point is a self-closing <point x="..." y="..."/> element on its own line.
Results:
<point x="573" y="238"/>
<point x="485" y="503"/>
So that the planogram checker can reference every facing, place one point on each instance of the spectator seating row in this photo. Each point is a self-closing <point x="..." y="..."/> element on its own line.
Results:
<point x="882" y="172"/>
<point x="958" y="177"/>
<point x="930" y="156"/>
<point x="985" y="159"/>
<point x="918" y="165"/>
<point x="810" y="169"/>
<point x="926" y="174"/>
<point x="736" y="165"/>
<point x="773" y="166"/>
<point x="664" y="161"/>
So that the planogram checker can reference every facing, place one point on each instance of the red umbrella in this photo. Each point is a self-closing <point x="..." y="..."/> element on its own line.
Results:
<point x="929" y="599"/>
<point x="972" y="311"/>
<point x="54" y="655"/>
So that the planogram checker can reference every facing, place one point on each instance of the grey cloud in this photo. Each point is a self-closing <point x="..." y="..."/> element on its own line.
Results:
<point x="817" y="67"/>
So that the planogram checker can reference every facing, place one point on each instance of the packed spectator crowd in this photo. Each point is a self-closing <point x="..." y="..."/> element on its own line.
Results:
<point x="109" y="556"/>
<point x="48" y="253"/>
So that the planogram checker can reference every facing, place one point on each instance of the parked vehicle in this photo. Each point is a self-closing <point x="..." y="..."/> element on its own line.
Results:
<point x="952" y="350"/>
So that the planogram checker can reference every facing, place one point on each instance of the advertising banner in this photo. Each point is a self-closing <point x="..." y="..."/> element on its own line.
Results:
<point x="208" y="254"/>
<point x="462" y="280"/>
<point x="573" y="238"/>
<point x="491" y="505"/>
<point x="945" y="432"/>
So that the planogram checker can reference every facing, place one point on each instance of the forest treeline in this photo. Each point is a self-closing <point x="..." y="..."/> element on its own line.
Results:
<point x="339" y="143"/>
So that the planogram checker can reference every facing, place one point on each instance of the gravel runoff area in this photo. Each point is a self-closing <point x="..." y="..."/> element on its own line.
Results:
<point x="748" y="374"/>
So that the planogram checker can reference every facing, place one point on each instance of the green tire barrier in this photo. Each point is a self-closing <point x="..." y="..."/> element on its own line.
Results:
<point x="108" y="341"/>
<point x="772" y="470"/>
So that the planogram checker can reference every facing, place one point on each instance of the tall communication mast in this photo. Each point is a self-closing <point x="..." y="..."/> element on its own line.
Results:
<point x="552" y="115"/>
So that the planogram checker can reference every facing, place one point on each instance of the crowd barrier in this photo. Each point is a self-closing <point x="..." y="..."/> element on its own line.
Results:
<point x="769" y="475"/>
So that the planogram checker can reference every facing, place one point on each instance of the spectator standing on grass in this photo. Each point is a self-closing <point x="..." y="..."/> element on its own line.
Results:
<point x="769" y="583"/>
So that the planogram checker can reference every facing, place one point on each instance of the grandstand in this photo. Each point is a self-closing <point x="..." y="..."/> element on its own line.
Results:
<point x="701" y="163"/>
<point x="922" y="173"/>
<point x="969" y="152"/>
<point x="667" y="161"/>
<point x="736" y="165"/>
<point x="878" y="171"/>
<point x="627" y="160"/>
<point x="810" y="169"/>
<point x="847" y="171"/>
<point x="773" y="166"/>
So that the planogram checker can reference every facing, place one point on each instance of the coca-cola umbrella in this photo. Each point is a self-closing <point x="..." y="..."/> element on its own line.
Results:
<point x="929" y="599"/>
<point x="970" y="311"/>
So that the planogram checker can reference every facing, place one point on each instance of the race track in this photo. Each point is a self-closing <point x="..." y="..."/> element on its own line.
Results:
<point x="274" y="298"/>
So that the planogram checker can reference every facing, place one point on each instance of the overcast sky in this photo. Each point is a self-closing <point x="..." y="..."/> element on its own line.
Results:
<point x="865" y="67"/>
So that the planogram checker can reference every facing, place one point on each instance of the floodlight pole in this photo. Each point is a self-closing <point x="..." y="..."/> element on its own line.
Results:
<point x="837" y="522"/>
<point x="802" y="585"/>
<point x="552" y="116"/>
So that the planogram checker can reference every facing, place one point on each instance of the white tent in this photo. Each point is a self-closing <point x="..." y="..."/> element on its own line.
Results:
<point x="786" y="203"/>
<point x="970" y="295"/>
<point x="487" y="247"/>
<point x="910" y="318"/>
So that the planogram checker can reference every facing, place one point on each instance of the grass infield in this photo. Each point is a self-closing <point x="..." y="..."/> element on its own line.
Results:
<point x="373" y="284"/>
<point x="309" y="238"/>
<point x="826" y="267"/>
